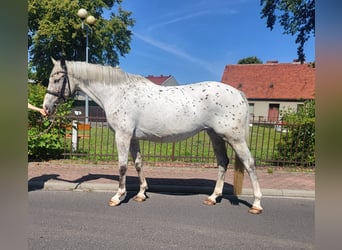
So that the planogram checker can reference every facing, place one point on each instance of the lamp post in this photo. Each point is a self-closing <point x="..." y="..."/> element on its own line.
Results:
<point x="87" y="20"/>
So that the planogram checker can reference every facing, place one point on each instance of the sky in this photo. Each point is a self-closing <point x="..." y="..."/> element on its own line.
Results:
<point x="193" y="40"/>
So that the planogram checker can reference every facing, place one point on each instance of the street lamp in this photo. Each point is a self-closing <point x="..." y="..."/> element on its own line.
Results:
<point x="87" y="20"/>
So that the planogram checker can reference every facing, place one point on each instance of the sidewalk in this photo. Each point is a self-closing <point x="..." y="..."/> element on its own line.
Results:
<point x="86" y="177"/>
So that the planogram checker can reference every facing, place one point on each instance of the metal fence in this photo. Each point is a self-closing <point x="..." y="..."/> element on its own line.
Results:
<point x="271" y="144"/>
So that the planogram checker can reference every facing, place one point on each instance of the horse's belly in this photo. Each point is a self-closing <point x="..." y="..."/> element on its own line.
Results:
<point x="158" y="136"/>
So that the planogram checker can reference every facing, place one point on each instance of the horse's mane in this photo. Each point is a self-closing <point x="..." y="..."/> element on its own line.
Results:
<point x="98" y="73"/>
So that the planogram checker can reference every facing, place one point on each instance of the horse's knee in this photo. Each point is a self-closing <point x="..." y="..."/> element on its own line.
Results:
<point x="122" y="169"/>
<point x="251" y="170"/>
<point x="138" y="162"/>
<point x="249" y="165"/>
<point x="138" y="167"/>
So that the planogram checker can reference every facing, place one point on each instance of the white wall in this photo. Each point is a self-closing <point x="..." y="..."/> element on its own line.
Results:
<point x="261" y="107"/>
<point x="170" y="82"/>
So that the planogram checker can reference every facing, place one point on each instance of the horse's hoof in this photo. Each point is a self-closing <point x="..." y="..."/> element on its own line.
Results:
<point x="255" y="210"/>
<point x="209" y="202"/>
<point x="113" y="203"/>
<point x="139" y="198"/>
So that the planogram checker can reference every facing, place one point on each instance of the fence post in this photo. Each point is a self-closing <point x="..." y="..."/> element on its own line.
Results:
<point x="74" y="136"/>
<point x="173" y="152"/>
<point x="238" y="176"/>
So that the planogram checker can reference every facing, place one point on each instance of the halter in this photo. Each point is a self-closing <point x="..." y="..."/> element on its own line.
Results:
<point x="60" y="94"/>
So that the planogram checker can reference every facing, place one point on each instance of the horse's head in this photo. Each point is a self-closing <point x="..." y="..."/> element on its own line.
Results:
<point x="59" y="86"/>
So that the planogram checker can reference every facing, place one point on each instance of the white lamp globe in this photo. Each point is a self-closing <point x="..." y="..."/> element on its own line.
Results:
<point x="82" y="13"/>
<point x="90" y="20"/>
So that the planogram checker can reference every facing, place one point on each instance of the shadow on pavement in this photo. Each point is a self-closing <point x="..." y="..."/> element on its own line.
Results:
<point x="37" y="183"/>
<point x="175" y="186"/>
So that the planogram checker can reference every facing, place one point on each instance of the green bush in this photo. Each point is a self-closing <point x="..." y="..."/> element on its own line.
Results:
<point x="45" y="135"/>
<point x="298" y="144"/>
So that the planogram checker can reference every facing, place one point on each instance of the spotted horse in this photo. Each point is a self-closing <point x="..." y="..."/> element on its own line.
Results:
<point x="137" y="109"/>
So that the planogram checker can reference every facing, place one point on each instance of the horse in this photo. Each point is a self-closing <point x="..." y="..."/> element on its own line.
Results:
<point x="137" y="109"/>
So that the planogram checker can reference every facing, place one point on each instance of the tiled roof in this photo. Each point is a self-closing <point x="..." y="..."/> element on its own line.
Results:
<point x="289" y="81"/>
<point x="158" y="79"/>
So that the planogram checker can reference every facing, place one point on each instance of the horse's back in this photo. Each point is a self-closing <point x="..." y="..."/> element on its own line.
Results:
<point x="218" y="96"/>
<point x="176" y="112"/>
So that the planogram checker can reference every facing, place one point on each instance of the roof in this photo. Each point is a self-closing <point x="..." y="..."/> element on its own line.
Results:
<point x="290" y="81"/>
<point x="158" y="79"/>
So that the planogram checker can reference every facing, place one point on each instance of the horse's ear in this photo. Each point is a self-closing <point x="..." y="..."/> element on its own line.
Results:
<point x="63" y="65"/>
<point x="53" y="60"/>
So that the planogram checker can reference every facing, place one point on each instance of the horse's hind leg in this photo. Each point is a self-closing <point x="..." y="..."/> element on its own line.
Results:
<point x="136" y="155"/>
<point x="222" y="163"/>
<point x="244" y="154"/>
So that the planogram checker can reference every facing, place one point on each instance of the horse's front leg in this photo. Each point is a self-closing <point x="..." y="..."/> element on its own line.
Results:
<point x="123" y="143"/>
<point x="136" y="155"/>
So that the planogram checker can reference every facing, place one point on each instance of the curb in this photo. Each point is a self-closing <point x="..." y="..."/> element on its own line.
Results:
<point x="113" y="187"/>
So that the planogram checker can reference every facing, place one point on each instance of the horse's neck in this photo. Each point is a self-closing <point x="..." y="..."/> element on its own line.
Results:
<point x="92" y="91"/>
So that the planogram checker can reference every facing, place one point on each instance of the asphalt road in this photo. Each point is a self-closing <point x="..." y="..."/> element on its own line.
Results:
<point x="81" y="220"/>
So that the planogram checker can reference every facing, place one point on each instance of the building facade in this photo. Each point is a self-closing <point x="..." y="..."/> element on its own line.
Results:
<point x="272" y="87"/>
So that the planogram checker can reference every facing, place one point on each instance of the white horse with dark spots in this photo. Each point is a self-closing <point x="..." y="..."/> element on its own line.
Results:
<point x="137" y="109"/>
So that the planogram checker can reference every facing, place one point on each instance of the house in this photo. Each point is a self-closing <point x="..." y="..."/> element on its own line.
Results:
<point x="272" y="87"/>
<point x="163" y="80"/>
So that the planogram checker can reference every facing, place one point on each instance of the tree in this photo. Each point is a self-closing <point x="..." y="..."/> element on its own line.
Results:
<point x="250" y="60"/>
<point x="32" y="75"/>
<point x="55" y="30"/>
<point x="296" y="17"/>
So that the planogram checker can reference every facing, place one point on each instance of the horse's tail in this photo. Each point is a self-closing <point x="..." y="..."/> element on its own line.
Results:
<point x="238" y="165"/>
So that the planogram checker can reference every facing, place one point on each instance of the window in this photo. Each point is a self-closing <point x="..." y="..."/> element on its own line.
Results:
<point x="251" y="108"/>
<point x="299" y="106"/>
